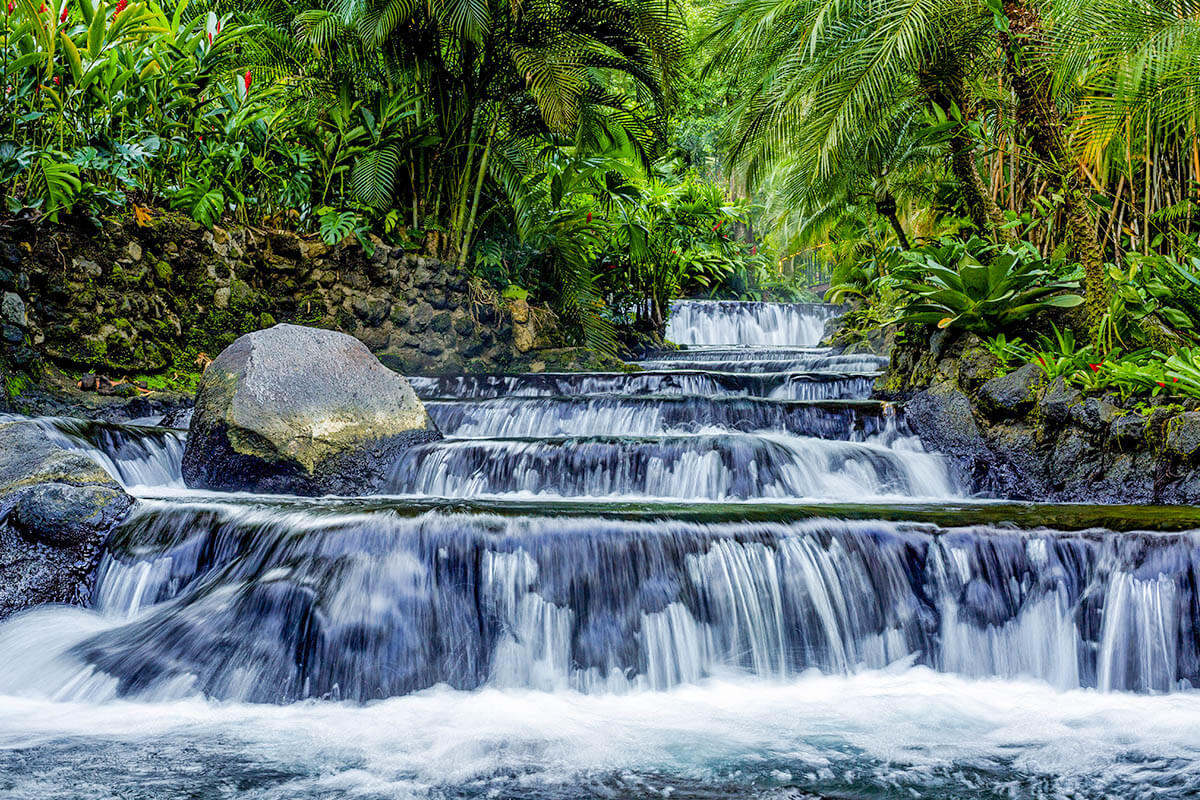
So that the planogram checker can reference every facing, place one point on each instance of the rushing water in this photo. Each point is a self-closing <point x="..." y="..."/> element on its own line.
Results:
<point x="618" y="585"/>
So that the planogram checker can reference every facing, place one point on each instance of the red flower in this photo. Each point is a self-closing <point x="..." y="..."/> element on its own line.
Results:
<point x="589" y="216"/>
<point x="754" y="250"/>
<point x="246" y="80"/>
<point x="210" y="39"/>
<point x="1095" y="367"/>
<point x="42" y="9"/>
<point x="1041" y="361"/>
<point x="1174" y="380"/>
<point x="121" y="6"/>
<point x="1161" y="384"/>
<point x="218" y="27"/>
<point x="63" y="16"/>
<point x="56" y="80"/>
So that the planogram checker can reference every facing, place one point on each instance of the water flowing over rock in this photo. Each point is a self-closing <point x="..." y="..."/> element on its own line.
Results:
<point x="302" y="411"/>
<point x="725" y="322"/>
<point x="272" y="605"/>
<point x="729" y="575"/>
<point x="56" y="506"/>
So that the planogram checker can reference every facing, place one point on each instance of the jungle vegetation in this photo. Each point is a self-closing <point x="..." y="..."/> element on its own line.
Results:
<point x="965" y="164"/>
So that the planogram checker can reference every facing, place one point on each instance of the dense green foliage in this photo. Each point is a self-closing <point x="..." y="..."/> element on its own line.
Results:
<point x="885" y="133"/>
<point x="973" y="164"/>
<point x="529" y="143"/>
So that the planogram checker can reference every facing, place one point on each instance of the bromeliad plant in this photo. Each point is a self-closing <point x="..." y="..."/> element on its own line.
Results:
<point x="979" y="286"/>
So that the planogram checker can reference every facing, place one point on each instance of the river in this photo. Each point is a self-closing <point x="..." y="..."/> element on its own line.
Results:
<point x="729" y="575"/>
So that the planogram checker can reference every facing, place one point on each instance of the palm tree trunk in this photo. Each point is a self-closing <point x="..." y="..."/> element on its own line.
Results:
<point x="985" y="213"/>
<point x="1038" y="114"/>
<point x="947" y="89"/>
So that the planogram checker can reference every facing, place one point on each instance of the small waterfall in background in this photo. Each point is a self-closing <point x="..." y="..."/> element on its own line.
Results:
<point x="732" y="322"/>
<point x="619" y="584"/>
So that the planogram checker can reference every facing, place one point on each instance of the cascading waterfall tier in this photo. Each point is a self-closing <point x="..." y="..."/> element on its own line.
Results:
<point x="281" y="603"/>
<point x="515" y="417"/>
<point x="696" y="383"/>
<point x="136" y="455"/>
<point x="717" y="322"/>
<point x="693" y="467"/>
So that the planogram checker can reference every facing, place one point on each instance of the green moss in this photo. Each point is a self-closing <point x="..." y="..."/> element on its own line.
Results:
<point x="16" y="384"/>
<point x="163" y="270"/>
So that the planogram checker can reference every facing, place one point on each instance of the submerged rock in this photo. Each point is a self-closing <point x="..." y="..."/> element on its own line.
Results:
<point x="56" y="507"/>
<point x="300" y="410"/>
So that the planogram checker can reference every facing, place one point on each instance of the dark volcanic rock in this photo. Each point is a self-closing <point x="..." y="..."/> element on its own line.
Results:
<point x="180" y="418"/>
<point x="65" y="515"/>
<point x="1183" y="435"/>
<point x="1010" y="395"/>
<point x="56" y="508"/>
<point x="1016" y="437"/>
<point x="303" y="411"/>
<point x="1058" y="400"/>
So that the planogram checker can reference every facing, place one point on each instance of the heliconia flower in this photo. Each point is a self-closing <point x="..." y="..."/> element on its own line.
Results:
<point x="210" y="39"/>
<point x="1161" y="384"/>
<point x="63" y="16"/>
<point x="42" y="8"/>
<point x="1041" y="361"/>
<point x="754" y="250"/>
<point x="247" y="80"/>
<point x="589" y="216"/>
<point x="1095" y="367"/>
<point x="56" y="81"/>
<point x="218" y="27"/>
<point x="1175" y="380"/>
<point x="121" y="6"/>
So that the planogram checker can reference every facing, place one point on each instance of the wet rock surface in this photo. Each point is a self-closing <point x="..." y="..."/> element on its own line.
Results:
<point x="300" y="410"/>
<point x="56" y="508"/>
<point x="1012" y="432"/>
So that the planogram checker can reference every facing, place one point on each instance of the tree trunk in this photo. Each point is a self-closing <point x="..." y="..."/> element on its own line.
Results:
<point x="985" y="214"/>
<point x="886" y="208"/>
<point x="984" y="211"/>
<point x="1024" y="43"/>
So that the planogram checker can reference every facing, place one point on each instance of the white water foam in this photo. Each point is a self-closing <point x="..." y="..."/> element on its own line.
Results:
<point x="900" y="733"/>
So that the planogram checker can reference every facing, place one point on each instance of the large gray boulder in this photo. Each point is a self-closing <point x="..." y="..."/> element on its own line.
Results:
<point x="300" y="410"/>
<point x="56" y="508"/>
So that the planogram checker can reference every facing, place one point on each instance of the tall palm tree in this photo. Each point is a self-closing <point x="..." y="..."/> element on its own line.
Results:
<point x="835" y="79"/>
<point x="482" y="72"/>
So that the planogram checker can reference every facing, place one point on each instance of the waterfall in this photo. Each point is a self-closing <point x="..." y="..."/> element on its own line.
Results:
<point x="583" y="591"/>
<point x="136" y="455"/>
<point x="264" y="604"/>
<point x="715" y="322"/>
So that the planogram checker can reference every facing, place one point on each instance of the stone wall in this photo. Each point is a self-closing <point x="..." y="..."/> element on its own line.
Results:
<point x="1016" y="434"/>
<point x="123" y="300"/>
